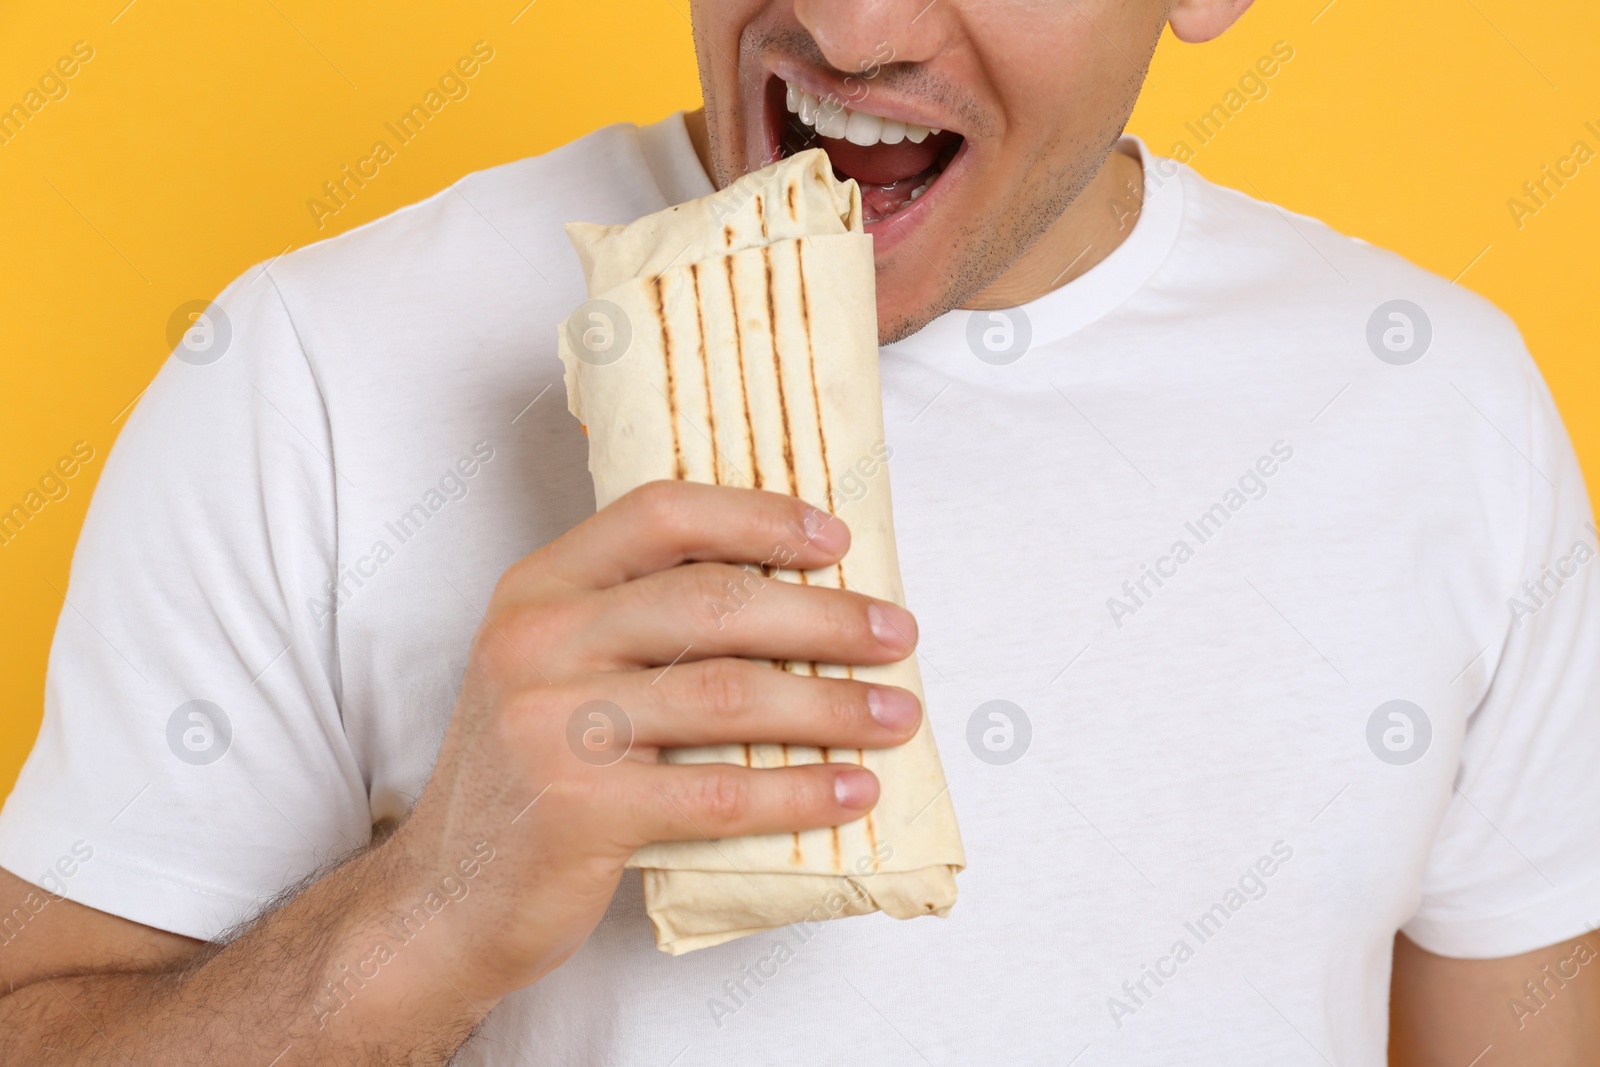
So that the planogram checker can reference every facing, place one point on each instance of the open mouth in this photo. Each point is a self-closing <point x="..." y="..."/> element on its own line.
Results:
<point x="895" y="162"/>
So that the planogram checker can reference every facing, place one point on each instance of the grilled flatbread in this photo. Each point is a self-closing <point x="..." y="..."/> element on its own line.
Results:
<point x="733" y="340"/>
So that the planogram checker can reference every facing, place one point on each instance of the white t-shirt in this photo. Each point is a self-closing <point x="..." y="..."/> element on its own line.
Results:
<point x="1200" y="517"/>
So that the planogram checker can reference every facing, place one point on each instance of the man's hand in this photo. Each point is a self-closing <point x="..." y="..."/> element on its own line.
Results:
<point x="629" y="608"/>
<point x="526" y="832"/>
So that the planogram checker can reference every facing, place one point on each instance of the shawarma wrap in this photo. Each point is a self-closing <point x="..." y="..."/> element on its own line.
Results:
<point x="733" y="340"/>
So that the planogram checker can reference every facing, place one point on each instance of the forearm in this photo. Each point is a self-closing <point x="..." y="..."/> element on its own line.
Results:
<point x="331" y="977"/>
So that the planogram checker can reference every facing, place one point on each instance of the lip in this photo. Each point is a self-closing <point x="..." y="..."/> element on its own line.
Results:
<point x="886" y="233"/>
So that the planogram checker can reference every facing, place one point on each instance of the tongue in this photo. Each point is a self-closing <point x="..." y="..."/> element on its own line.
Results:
<point x="886" y="173"/>
<point x="878" y="202"/>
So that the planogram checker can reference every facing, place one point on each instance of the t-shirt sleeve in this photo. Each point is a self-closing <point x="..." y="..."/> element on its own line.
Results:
<point x="1514" y="865"/>
<point x="191" y="763"/>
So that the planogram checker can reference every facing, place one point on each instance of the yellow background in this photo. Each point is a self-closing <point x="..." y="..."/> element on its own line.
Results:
<point x="187" y="148"/>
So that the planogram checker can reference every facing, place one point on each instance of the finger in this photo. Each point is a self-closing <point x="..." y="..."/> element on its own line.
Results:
<point x="662" y="524"/>
<point x="736" y="701"/>
<point x="709" y="801"/>
<point x="703" y="610"/>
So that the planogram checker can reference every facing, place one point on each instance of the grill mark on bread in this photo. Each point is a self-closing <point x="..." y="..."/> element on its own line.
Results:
<point x="672" y="389"/>
<point x="744" y="391"/>
<point x="789" y="196"/>
<point x="705" y="367"/>
<point x="783" y="401"/>
<point x="816" y="396"/>
<point x="777" y="365"/>
<point x="816" y="400"/>
<point x="711" y="417"/>
<point x="872" y="833"/>
<point x="761" y="213"/>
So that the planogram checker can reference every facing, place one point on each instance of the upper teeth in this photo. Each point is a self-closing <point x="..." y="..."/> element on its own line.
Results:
<point x="830" y="118"/>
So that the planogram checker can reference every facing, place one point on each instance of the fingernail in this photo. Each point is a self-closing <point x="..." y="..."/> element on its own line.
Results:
<point x="855" y="789"/>
<point x="892" y="625"/>
<point x="894" y="708"/>
<point x="825" y="531"/>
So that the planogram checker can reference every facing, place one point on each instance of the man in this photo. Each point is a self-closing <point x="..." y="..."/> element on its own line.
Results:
<point x="1252" y="568"/>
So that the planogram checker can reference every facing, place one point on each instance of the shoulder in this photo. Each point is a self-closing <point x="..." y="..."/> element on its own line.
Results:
<point x="1341" y="295"/>
<point x="453" y="297"/>
<point x="489" y="218"/>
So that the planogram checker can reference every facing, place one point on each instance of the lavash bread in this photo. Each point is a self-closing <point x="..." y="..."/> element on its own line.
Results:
<point x="733" y="340"/>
